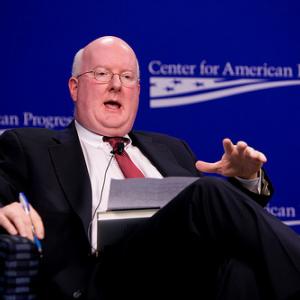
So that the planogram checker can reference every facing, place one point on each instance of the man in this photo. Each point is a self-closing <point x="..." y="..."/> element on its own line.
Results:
<point x="209" y="227"/>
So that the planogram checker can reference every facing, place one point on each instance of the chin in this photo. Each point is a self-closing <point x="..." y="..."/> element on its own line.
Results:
<point x="118" y="129"/>
<point x="112" y="131"/>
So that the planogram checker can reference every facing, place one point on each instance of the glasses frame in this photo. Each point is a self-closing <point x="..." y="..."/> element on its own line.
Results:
<point x="111" y="77"/>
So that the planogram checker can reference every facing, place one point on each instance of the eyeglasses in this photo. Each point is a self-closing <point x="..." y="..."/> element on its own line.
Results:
<point x="128" y="78"/>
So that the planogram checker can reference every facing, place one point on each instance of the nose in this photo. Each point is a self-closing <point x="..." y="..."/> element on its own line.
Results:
<point x="115" y="82"/>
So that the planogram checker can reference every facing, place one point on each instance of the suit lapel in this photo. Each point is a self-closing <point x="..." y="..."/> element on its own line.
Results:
<point x="72" y="173"/>
<point x="159" y="154"/>
<point x="70" y="168"/>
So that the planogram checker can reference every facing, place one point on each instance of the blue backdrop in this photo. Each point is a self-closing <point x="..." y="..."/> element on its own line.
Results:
<point x="210" y="69"/>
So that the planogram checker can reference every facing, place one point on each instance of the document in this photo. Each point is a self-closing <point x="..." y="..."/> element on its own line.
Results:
<point x="132" y="201"/>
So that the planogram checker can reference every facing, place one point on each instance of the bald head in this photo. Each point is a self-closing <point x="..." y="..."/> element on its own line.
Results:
<point x="106" y="107"/>
<point x="82" y="59"/>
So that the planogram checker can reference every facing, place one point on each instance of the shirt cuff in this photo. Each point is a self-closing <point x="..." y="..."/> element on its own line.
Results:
<point x="253" y="185"/>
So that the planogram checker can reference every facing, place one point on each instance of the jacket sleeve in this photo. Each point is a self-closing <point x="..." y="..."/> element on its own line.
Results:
<point x="13" y="169"/>
<point x="266" y="190"/>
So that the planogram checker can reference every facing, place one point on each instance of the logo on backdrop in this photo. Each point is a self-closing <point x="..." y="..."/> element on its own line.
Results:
<point x="287" y="213"/>
<point x="28" y="119"/>
<point x="183" y="84"/>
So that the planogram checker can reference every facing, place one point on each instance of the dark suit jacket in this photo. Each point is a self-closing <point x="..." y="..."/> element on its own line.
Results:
<point x="49" y="167"/>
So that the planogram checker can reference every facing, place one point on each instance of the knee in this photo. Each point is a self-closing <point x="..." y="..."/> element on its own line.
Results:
<point x="210" y="183"/>
<point x="214" y="190"/>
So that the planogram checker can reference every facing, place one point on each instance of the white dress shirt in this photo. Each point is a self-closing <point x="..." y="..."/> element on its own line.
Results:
<point x="98" y="158"/>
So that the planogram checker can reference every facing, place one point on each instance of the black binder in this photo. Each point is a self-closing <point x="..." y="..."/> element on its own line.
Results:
<point x="114" y="225"/>
<point x="19" y="264"/>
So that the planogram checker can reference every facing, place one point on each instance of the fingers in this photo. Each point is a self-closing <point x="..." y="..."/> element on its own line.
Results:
<point x="241" y="146"/>
<point x="228" y="146"/>
<point x="250" y="153"/>
<point x="7" y="225"/>
<point x="15" y="221"/>
<point x="242" y="149"/>
<point x="255" y="155"/>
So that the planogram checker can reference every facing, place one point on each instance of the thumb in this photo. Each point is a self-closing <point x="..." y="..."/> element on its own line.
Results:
<point x="206" y="167"/>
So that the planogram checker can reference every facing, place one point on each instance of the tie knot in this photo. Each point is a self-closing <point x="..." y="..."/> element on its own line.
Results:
<point x="128" y="168"/>
<point x="116" y="141"/>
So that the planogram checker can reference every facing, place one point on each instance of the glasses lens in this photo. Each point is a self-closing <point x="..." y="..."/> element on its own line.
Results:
<point x="103" y="75"/>
<point x="128" y="78"/>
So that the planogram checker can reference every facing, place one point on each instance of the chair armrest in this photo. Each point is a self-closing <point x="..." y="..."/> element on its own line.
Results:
<point x="19" y="265"/>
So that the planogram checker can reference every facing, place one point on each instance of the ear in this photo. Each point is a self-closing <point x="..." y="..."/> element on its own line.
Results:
<point x="73" y="88"/>
<point x="139" y="88"/>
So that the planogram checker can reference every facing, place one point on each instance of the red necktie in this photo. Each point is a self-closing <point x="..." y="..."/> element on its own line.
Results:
<point x="128" y="168"/>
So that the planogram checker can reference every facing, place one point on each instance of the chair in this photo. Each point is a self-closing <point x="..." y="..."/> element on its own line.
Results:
<point x="19" y="264"/>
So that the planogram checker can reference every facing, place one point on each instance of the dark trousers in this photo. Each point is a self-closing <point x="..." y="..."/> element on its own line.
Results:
<point x="210" y="242"/>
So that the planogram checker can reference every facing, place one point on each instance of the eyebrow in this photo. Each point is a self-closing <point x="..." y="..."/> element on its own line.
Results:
<point x="109" y="69"/>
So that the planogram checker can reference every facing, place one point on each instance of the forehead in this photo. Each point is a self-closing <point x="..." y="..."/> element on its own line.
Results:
<point x="112" y="56"/>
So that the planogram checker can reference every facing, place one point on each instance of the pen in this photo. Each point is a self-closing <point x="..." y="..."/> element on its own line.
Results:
<point x="23" y="200"/>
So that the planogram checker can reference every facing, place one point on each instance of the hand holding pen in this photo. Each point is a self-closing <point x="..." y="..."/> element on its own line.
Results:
<point x="26" y="207"/>
<point x="21" y="219"/>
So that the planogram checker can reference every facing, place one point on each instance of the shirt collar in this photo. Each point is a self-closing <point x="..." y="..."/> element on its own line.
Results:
<point x="92" y="138"/>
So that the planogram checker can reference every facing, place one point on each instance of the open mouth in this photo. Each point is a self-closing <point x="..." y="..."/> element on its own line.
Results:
<point x="114" y="105"/>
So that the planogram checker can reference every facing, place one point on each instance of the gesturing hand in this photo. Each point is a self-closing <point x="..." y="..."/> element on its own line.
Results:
<point x="238" y="160"/>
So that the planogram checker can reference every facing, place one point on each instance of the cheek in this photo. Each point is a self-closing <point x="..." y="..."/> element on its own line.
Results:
<point x="89" y="92"/>
<point x="135" y="108"/>
<point x="88" y="99"/>
<point x="134" y="103"/>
